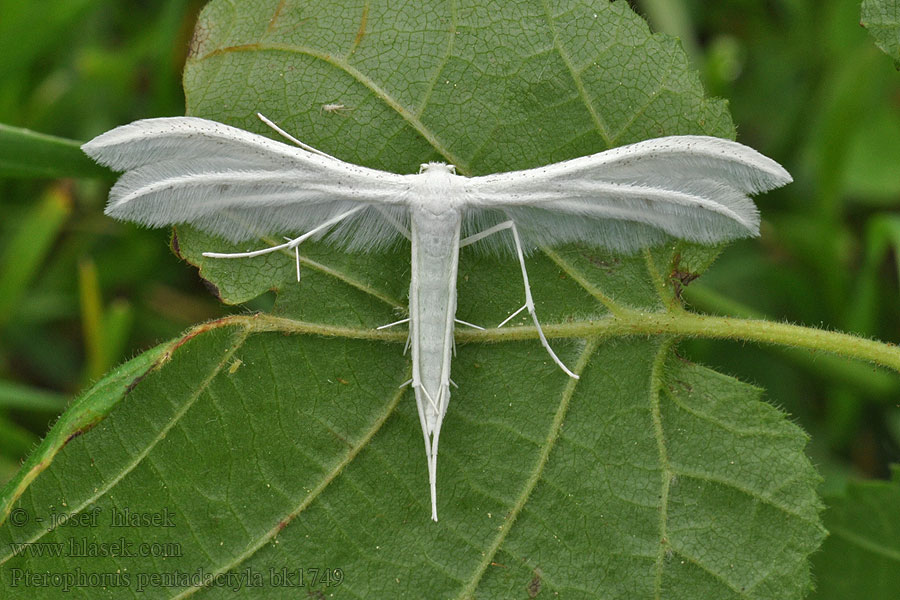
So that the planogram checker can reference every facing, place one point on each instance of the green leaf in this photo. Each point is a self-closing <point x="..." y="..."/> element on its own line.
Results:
<point x="882" y="19"/>
<point x="861" y="557"/>
<point x="279" y="451"/>
<point x="284" y="441"/>
<point x="88" y="410"/>
<point x="25" y="153"/>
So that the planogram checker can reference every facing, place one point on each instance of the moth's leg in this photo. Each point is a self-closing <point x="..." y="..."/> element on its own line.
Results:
<point x="427" y="396"/>
<point x="529" y="301"/>
<point x="467" y="324"/>
<point x="289" y="244"/>
<point x="483" y="234"/>
<point x="406" y="320"/>
<point x="435" y="439"/>
<point x="400" y="322"/>
<point x="420" y="392"/>
<point x="291" y="138"/>
<point x="511" y="317"/>
<point x="297" y="256"/>
<point x="472" y="325"/>
<point x="432" y="470"/>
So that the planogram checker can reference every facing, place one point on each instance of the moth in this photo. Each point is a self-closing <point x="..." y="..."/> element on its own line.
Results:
<point x="240" y="185"/>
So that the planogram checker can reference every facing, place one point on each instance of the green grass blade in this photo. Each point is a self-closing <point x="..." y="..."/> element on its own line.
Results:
<point x="26" y="154"/>
<point x="25" y="397"/>
<point x="23" y="255"/>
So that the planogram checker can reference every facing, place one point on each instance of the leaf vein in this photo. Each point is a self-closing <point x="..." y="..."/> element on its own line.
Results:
<point x="369" y="83"/>
<point x="764" y="499"/>
<point x="656" y="385"/>
<point x="308" y="499"/>
<point x="576" y="77"/>
<point x="541" y="463"/>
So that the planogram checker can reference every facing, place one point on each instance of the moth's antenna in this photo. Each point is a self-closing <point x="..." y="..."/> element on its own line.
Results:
<point x="288" y="136"/>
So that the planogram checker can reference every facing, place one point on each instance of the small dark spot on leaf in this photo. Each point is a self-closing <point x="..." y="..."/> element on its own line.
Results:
<point x="682" y="279"/>
<point x="534" y="586"/>
<point x="136" y="381"/>
<point x="680" y="357"/>
<point x="84" y="429"/>
<point x="679" y="277"/>
<point x="607" y="264"/>
<point x="680" y="383"/>
<point x="317" y="594"/>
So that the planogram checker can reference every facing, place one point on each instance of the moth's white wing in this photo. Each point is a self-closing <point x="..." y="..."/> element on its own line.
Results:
<point x="240" y="185"/>
<point x="692" y="187"/>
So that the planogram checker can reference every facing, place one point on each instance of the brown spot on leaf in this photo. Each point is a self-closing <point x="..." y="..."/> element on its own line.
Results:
<point x="83" y="429"/>
<point x="176" y="247"/>
<point x="607" y="264"/>
<point x="136" y="381"/>
<point x="74" y="435"/>
<point x="238" y="48"/>
<point x="534" y="586"/>
<point x="192" y="334"/>
<point x="198" y="41"/>
<point x="682" y="279"/>
<point x="361" y="32"/>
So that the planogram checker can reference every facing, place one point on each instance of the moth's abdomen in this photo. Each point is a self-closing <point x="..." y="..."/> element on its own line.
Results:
<point x="432" y="306"/>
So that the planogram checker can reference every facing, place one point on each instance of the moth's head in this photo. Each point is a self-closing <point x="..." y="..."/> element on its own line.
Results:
<point x="438" y="167"/>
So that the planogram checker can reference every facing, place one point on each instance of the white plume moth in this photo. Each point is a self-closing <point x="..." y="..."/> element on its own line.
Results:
<point x="240" y="185"/>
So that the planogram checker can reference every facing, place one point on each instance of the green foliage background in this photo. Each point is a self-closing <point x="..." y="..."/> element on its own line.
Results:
<point x="806" y="85"/>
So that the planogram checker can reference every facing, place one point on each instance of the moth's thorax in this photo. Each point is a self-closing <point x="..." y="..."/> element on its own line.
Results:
<point x="438" y="189"/>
